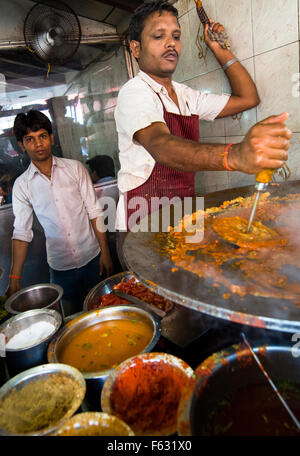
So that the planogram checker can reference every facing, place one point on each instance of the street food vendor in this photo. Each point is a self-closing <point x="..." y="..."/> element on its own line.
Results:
<point x="60" y="193"/>
<point x="157" y="119"/>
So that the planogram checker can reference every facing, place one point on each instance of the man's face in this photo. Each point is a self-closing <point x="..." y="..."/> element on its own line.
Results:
<point x="160" y="45"/>
<point x="37" y="144"/>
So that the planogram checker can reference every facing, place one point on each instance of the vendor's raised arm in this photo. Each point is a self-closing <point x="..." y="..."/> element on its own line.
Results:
<point x="243" y="90"/>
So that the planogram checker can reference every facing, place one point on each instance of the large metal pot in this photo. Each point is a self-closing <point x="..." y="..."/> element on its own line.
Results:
<point x="20" y="359"/>
<point x="40" y="296"/>
<point x="96" y="380"/>
<point x="230" y="372"/>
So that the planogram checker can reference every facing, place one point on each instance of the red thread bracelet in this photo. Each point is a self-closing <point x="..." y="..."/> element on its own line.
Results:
<point x="225" y="157"/>
<point x="12" y="276"/>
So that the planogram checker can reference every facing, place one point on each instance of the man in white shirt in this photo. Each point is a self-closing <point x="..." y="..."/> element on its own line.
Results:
<point x="60" y="193"/>
<point x="158" y="120"/>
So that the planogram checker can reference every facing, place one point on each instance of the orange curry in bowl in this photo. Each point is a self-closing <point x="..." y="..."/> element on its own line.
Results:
<point x="106" y="344"/>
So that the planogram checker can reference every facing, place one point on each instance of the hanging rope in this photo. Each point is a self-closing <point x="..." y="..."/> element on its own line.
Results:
<point x="199" y="40"/>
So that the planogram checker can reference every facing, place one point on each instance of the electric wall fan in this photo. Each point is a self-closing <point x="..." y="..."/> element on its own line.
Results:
<point x="52" y="32"/>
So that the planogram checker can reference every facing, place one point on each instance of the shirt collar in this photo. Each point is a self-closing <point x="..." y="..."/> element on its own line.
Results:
<point x="32" y="169"/>
<point x="151" y="82"/>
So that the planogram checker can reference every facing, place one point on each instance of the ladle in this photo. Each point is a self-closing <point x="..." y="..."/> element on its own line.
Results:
<point x="271" y="382"/>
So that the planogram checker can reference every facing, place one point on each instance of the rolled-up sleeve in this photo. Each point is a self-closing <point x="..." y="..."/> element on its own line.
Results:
<point x="137" y="109"/>
<point x="92" y="203"/>
<point x="210" y="105"/>
<point x="206" y="105"/>
<point x="23" y="213"/>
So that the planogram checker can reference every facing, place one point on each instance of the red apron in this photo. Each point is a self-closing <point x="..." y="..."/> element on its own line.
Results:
<point x="166" y="181"/>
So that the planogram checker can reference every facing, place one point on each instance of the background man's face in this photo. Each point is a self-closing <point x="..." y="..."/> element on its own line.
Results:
<point x="160" y="45"/>
<point x="37" y="144"/>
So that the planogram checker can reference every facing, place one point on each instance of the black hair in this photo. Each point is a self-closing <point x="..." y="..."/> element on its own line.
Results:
<point x="103" y="165"/>
<point x="32" y="121"/>
<point x="7" y="182"/>
<point x="137" y="22"/>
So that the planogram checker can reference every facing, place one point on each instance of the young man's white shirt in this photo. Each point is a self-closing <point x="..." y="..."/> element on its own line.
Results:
<point x="64" y="207"/>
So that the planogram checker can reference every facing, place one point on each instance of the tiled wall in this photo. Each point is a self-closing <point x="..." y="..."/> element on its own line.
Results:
<point x="264" y="36"/>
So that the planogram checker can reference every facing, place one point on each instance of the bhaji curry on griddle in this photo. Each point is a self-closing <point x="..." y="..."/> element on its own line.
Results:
<point x="264" y="262"/>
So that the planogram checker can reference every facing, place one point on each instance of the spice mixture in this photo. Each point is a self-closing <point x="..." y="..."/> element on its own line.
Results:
<point x="146" y="395"/>
<point x="38" y="405"/>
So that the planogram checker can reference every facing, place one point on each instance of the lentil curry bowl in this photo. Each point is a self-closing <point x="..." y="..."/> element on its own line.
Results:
<point x="97" y="341"/>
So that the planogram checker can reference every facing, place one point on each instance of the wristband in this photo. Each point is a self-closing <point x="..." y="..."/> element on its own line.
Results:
<point x="225" y="157"/>
<point x="12" y="276"/>
<point x="227" y="64"/>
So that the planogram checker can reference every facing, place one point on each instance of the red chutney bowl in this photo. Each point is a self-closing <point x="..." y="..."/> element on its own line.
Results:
<point x="145" y="391"/>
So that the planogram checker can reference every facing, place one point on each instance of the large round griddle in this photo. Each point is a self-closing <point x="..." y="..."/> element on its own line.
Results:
<point x="187" y="289"/>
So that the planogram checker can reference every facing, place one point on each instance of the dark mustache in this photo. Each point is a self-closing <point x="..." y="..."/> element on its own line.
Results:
<point x="170" y="52"/>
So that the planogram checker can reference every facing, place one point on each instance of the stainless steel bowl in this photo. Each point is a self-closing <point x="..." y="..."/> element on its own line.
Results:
<point x="94" y="424"/>
<point x="105" y="287"/>
<point x="41" y="372"/>
<point x="96" y="380"/>
<point x="40" y="296"/>
<point x="33" y="354"/>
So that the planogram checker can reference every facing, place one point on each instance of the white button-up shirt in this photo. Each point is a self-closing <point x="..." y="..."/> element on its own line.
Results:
<point x="139" y="106"/>
<point x="64" y="206"/>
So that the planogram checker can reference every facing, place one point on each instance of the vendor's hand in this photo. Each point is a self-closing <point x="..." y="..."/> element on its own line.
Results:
<point x="106" y="264"/>
<point x="264" y="146"/>
<point x="13" y="286"/>
<point x="215" y="27"/>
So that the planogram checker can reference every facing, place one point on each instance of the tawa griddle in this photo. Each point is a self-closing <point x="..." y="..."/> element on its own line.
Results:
<point x="191" y="291"/>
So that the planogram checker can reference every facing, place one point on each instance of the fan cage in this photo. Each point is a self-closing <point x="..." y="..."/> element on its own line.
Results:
<point x="58" y="19"/>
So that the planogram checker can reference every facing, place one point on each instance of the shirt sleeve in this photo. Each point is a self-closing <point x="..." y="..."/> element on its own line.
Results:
<point x="23" y="213"/>
<point x="207" y="105"/>
<point x="137" y="108"/>
<point x="92" y="203"/>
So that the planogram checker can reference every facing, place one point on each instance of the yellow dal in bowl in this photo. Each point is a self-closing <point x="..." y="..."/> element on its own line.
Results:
<point x="106" y="344"/>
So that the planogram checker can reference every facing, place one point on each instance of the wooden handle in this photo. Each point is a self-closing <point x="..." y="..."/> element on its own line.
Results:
<point x="265" y="176"/>
<point x="201" y="13"/>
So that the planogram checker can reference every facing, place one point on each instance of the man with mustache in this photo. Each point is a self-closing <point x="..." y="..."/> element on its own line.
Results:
<point x="157" y="119"/>
<point x="60" y="193"/>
